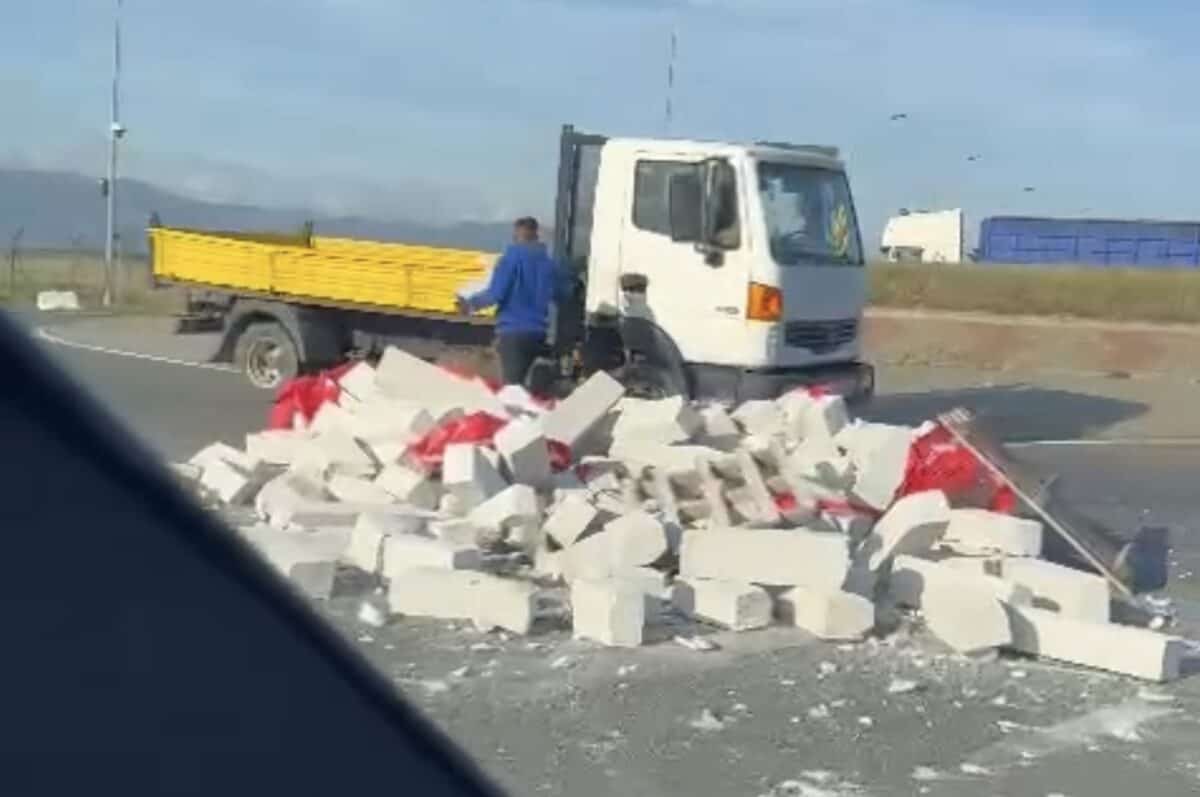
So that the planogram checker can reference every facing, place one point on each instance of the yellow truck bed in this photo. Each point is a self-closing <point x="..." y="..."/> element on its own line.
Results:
<point x="371" y="274"/>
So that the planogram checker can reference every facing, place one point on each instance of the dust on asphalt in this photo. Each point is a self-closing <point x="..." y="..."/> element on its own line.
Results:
<point x="774" y="712"/>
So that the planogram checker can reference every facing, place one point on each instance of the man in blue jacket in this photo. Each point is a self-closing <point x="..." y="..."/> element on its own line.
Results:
<point x="524" y="282"/>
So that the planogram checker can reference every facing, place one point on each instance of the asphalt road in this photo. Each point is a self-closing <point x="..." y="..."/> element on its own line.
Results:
<point x="772" y="712"/>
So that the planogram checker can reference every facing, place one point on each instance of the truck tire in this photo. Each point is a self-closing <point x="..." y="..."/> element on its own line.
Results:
<point x="267" y="355"/>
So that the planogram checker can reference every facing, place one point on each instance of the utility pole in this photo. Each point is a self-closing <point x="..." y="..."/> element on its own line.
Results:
<point x="115" y="132"/>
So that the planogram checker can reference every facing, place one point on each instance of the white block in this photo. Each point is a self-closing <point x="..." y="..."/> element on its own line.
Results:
<point x="488" y="600"/>
<point x="401" y="375"/>
<point x="391" y="420"/>
<point x="766" y="556"/>
<point x="468" y="475"/>
<point x="307" y="559"/>
<point x="672" y="459"/>
<point x="48" y="301"/>
<point x="880" y="456"/>
<point x="827" y="614"/>
<point x="628" y="541"/>
<point x="569" y="519"/>
<point x="459" y="531"/>
<point x="335" y="451"/>
<point x="719" y="430"/>
<point x="814" y="417"/>
<point x="549" y="563"/>
<point x="276" y="446"/>
<point x="910" y="576"/>
<point x="354" y="490"/>
<point x="331" y="417"/>
<point x="977" y="531"/>
<point x="579" y="413"/>
<point x="666" y="421"/>
<point x="911" y="526"/>
<point x="1116" y="648"/>
<point x="513" y="506"/>
<point x="187" y="471"/>
<point x="765" y="511"/>
<point x="407" y="551"/>
<point x="610" y="612"/>
<point x="222" y="452"/>
<point x="818" y="460"/>
<point x="730" y="604"/>
<point x="523" y="449"/>
<point x="1070" y="592"/>
<point x="366" y="545"/>
<point x="760" y="417"/>
<point x="968" y="620"/>
<point x="232" y="485"/>
<point x="359" y="381"/>
<point x="409" y="486"/>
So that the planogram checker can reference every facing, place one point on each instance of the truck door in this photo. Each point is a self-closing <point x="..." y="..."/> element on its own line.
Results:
<point x="697" y="298"/>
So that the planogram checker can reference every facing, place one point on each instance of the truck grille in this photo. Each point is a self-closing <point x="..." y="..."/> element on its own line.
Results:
<point x="820" y="336"/>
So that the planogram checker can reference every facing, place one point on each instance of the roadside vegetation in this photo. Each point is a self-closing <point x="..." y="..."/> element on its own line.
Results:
<point x="1160" y="295"/>
<point x="23" y="277"/>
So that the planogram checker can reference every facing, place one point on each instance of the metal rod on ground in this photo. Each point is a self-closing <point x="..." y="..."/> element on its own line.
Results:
<point x="952" y="421"/>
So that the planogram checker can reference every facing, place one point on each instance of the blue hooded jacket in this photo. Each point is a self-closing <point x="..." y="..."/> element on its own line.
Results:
<point x="524" y="282"/>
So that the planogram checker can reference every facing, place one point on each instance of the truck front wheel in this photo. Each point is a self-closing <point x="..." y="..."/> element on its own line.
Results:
<point x="267" y="355"/>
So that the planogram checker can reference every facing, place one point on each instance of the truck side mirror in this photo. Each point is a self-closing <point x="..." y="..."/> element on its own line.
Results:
<point x="686" y="200"/>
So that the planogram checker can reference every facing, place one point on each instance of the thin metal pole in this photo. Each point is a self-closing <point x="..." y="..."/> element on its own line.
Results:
<point x="114" y="133"/>
<point x="669" y="110"/>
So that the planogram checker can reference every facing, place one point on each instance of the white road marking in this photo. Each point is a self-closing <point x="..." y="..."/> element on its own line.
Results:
<point x="50" y="337"/>
<point x="1143" y="442"/>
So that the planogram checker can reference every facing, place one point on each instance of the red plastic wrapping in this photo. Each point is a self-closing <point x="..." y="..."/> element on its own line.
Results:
<point x="937" y="461"/>
<point x="478" y="427"/>
<point x="304" y="395"/>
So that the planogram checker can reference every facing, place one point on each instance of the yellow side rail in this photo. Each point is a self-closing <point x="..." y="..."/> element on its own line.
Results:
<point x="388" y="275"/>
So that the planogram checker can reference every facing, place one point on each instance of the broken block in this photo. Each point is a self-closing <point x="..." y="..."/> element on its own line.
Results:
<point x="514" y="505"/>
<point x="359" y="381"/>
<point x="468" y="475"/>
<point x="665" y="421"/>
<point x="880" y="456"/>
<point x="812" y="417"/>
<point x="718" y="429"/>
<point x="579" y="413"/>
<point x="490" y="601"/>
<point x="400" y="375"/>
<point x="569" y="519"/>
<point x="231" y="484"/>
<point x="978" y="531"/>
<point x="968" y="620"/>
<point x="912" y="526"/>
<point x="308" y="559"/>
<point x="610" y="612"/>
<point x="766" y="556"/>
<point x="549" y="563"/>
<point x="353" y="490"/>
<point x="1070" y="592"/>
<point x="730" y="604"/>
<point x="764" y="512"/>
<point x="523" y="449"/>
<point x="825" y="613"/>
<point x="334" y="451"/>
<point x="223" y="452"/>
<point x="366" y="545"/>
<point x="760" y="417"/>
<point x="409" y="486"/>
<point x="407" y="551"/>
<point x="628" y="541"/>
<point x="276" y="446"/>
<point x="910" y="576"/>
<point x="1104" y="646"/>
<point x="817" y="460"/>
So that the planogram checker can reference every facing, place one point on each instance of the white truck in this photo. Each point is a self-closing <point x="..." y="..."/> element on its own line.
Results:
<point x="712" y="270"/>
<point x="925" y="236"/>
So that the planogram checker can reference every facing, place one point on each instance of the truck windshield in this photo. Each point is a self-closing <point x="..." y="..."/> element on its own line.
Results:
<point x="809" y="215"/>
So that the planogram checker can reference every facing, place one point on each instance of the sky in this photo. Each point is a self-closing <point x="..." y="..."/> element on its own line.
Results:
<point x="445" y="110"/>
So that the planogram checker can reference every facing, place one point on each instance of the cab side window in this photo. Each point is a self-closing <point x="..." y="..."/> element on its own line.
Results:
<point x="652" y="193"/>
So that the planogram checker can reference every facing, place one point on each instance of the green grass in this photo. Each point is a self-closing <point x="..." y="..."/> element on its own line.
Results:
<point x="83" y="272"/>
<point x="1111" y="294"/>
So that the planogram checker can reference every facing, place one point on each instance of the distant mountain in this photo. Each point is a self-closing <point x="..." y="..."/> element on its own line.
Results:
<point x="61" y="210"/>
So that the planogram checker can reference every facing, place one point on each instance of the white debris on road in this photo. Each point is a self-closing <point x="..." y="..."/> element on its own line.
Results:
<point x="786" y="513"/>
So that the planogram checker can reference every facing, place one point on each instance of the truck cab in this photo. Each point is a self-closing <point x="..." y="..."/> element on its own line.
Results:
<point x="725" y="271"/>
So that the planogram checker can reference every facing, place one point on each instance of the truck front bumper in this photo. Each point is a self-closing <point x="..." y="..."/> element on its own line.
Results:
<point x="853" y="380"/>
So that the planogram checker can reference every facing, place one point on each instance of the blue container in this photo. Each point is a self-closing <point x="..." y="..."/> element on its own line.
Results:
<point x="1089" y="242"/>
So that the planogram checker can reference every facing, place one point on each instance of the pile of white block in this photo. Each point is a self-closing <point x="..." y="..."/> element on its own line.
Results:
<point x="781" y="512"/>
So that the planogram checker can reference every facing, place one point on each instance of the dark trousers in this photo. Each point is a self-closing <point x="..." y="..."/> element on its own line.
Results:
<point x="518" y="351"/>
